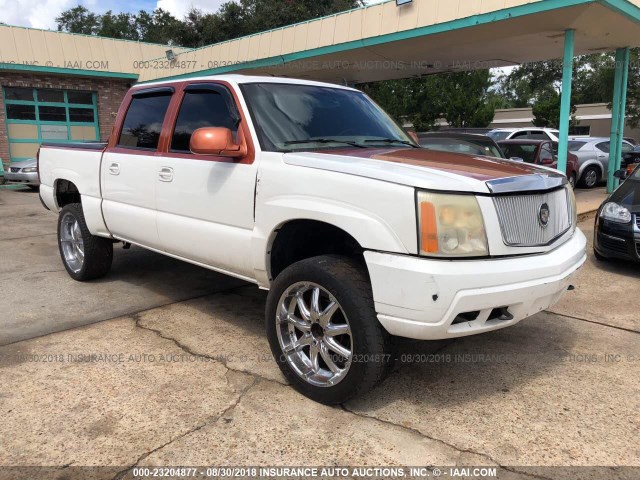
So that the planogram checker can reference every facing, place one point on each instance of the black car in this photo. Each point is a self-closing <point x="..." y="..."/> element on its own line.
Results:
<point x="617" y="232"/>
<point x="468" y="143"/>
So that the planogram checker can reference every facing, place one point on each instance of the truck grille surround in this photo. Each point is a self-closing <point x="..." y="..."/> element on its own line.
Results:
<point x="536" y="219"/>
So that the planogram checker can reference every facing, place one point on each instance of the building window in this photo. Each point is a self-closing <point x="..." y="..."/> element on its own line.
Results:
<point x="15" y="93"/>
<point x="21" y="112"/>
<point x="35" y="115"/>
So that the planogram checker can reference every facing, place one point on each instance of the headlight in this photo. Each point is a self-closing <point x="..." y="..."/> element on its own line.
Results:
<point x="615" y="213"/>
<point x="450" y="225"/>
<point x="30" y="170"/>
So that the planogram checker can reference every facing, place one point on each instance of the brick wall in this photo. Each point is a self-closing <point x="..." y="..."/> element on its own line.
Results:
<point x="110" y="94"/>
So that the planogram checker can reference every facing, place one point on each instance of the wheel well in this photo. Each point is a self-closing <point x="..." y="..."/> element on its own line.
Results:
<point x="66" y="193"/>
<point x="300" y="239"/>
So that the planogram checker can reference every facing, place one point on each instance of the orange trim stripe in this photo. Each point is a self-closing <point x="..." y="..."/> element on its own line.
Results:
<point x="428" y="228"/>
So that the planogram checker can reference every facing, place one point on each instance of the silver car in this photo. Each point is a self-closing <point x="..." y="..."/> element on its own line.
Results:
<point x="24" y="172"/>
<point x="593" y="158"/>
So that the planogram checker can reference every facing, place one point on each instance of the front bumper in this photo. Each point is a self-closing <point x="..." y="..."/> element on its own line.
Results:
<point x="434" y="299"/>
<point x="24" y="178"/>
<point x="617" y="240"/>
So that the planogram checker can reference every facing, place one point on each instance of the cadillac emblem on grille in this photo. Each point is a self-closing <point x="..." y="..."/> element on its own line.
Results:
<point x="543" y="214"/>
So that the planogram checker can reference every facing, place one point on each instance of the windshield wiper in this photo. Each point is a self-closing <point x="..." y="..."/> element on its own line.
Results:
<point x="323" y="140"/>
<point x="391" y="140"/>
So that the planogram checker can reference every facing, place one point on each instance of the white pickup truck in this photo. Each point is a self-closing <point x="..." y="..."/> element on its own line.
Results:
<point x="311" y="191"/>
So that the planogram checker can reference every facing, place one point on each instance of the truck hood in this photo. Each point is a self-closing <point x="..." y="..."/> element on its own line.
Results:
<point x="432" y="169"/>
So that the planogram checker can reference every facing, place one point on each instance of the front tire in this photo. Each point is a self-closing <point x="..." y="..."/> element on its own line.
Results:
<point x="323" y="329"/>
<point x="84" y="256"/>
<point x="599" y="257"/>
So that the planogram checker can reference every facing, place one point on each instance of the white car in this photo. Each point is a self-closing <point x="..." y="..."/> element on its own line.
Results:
<point x="527" y="133"/>
<point x="311" y="191"/>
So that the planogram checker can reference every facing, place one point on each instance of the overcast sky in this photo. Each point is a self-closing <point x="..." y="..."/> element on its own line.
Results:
<point x="42" y="13"/>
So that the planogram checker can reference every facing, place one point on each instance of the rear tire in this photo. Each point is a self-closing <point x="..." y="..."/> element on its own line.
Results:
<point x="590" y="177"/>
<point x="34" y="188"/>
<point x="345" y="365"/>
<point x="84" y="256"/>
<point x="573" y="181"/>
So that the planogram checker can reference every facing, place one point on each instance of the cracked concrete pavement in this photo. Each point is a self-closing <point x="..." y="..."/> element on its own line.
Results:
<point x="182" y="375"/>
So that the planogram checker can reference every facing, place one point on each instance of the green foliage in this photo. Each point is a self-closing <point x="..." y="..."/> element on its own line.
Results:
<point x="546" y="110"/>
<point x="232" y="20"/>
<point x="78" y="20"/>
<point x="463" y="99"/>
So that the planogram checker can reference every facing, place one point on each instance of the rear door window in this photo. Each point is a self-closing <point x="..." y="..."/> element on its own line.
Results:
<point x="143" y="121"/>
<point x="603" y="147"/>
<point x="575" y="145"/>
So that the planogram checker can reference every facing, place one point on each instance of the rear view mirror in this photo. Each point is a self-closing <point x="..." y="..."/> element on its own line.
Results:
<point x="621" y="174"/>
<point x="215" y="141"/>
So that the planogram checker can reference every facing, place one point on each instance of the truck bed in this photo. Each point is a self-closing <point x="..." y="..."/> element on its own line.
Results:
<point x="77" y="163"/>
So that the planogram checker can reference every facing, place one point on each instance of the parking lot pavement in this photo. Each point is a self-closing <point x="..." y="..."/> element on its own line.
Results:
<point x="605" y="290"/>
<point x="589" y="200"/>
<point x="38" y="297"/>
<point x="192" y="382"/>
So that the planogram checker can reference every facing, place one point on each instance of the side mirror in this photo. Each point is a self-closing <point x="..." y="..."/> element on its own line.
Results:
<point x="547" y="161"/>
<point x="620" y="174"/>
<point x="215" y="141"/>
<point x="517" y="159"/>
<point x="414" y="137"/>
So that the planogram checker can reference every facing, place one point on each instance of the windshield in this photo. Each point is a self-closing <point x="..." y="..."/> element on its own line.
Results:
<point x="469" y="147"/>
<point x="498" y="135"/>
<point x="291" y="117"/>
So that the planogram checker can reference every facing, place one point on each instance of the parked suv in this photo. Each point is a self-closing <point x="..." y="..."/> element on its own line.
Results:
<point x="528" y="133"/>
<point x="311" y="191"/>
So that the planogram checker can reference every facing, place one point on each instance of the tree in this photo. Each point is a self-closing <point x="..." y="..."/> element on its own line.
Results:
<point x="197" y="29"/>
<point x="463" y="99"/>
<point x="78" y="20"/>
<point x="159" y="27"/>
<point x="120" y="25"/>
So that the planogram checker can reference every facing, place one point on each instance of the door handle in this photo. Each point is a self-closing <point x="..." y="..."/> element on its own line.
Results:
<point x="114" y="168"/>
<point x="166" y="174"/>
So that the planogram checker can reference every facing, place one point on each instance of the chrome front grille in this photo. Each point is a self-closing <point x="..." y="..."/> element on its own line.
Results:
<point x="638" y="220"/>
<point x="520" y="219"/>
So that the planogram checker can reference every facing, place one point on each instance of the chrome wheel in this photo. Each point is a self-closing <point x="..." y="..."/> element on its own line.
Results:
<point x="590" y="178"/>
<point x="71" y="242"/>
<point x="314" y="334"/>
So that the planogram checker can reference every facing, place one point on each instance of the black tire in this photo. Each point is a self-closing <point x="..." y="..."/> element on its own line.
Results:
<point x="591" y="170"/>
<point x="599" y="257"/>
<point x="573" y="181"/>
<point x="98" y="251"/>
<point x="34" y="188"/>
<point x="372" y="349"/>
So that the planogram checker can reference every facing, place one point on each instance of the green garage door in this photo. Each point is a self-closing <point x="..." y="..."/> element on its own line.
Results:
<point x="41" y="115"/>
